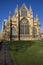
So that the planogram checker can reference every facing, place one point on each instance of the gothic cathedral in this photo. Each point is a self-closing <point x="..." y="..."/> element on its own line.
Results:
<point x="23" y="25"/>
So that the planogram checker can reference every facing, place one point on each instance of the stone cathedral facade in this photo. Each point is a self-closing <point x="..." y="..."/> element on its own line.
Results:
<point x="29" y="26"/>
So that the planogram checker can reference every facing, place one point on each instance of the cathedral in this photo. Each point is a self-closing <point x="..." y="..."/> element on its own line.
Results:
<point x="23" y="25"/>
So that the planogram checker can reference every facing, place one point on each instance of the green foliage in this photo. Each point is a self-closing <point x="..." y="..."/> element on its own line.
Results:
<point x="27" y="52"/>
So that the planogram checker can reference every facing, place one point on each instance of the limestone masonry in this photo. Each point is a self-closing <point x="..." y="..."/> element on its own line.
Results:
<point x="29" y="26"/>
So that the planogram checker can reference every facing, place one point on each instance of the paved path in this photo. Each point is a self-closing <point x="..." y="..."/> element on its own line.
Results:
<point x="5" y="58"/>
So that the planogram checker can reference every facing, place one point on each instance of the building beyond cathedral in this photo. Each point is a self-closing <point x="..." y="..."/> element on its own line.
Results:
<point x="29" y="26"/>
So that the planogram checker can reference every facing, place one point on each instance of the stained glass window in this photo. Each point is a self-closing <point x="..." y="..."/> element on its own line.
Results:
<point x="23" y="12"/>
<point x="24" y="27"/>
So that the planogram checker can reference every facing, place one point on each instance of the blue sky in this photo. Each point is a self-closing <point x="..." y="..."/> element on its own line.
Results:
<point x="10" y="5"/>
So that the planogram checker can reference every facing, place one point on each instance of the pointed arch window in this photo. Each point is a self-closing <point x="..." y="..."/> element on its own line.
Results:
<point x="24" y="26"/>
<point x="23" y="12"/>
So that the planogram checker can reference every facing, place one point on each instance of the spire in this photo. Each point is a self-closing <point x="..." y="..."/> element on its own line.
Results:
<point x="23" y="5"/>
<point x="30" y="8"/>
<point x="30" y="11"/>
<point x="16" y="10"/>
<point x="36" y="17"/>
<point x="10" y="15"/>
<point x="17" y="6"/>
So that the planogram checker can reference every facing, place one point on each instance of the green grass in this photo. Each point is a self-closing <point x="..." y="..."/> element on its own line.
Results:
<point x="27" y="52"/>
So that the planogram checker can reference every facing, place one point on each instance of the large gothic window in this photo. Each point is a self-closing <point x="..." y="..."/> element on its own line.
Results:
<point x="34" y="32"/>
<point x="23" y="12"/>
<point x="24" y="26"/>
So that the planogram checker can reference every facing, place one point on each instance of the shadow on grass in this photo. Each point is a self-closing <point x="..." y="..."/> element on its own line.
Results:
<point x="19" y="45"/>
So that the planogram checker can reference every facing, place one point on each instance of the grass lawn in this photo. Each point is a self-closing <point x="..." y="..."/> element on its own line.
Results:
<point x="27" y="52"/>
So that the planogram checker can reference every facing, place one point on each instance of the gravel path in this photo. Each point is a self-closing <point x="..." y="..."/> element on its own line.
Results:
<point x="5" y="58"/>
